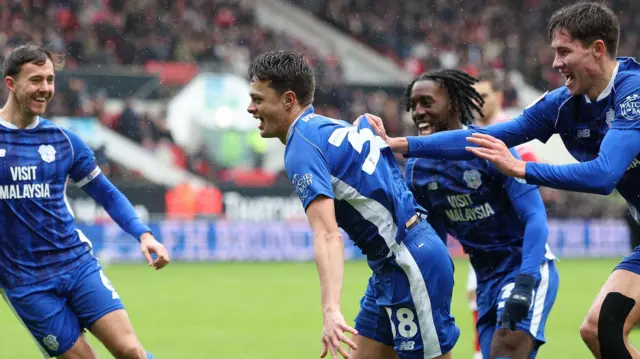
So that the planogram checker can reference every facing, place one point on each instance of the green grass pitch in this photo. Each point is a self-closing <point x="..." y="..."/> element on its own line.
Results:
<point x="272" y="310"/>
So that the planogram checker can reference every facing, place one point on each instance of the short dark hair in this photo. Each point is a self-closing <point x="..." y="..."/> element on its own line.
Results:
<point x="27" y="54"/>
<point x="491" y="76"/>
<point x="464" y="98"/>
<point x="285" y="70"/>
<point x="588" y="22"/>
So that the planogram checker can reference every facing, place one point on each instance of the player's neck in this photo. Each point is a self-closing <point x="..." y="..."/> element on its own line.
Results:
<point x="12" y="114"/>
<point x="602" y="81"/>
<point x="294" y="114"/>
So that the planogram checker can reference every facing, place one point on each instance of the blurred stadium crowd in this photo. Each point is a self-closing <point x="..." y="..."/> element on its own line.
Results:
<point x="471" y="35"/>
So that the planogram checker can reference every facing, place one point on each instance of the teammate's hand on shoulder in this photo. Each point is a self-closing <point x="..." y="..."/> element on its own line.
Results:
<point x="375" y="122"/>
<point x="149" y="245"/>
<point x="333" y="335"/>
<point x="517" y="305"/>
<point x="496" y="152"/>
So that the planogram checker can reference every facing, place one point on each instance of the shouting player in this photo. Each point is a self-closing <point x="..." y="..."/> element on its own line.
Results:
<point x="500" y="222"/>
<point x="48" y="274"/>
<point x="597" y="115"/>
<point x="347" y="177"/>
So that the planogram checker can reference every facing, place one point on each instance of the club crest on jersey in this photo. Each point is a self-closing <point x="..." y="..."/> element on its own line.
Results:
<point x="609" y="117"/>
<point x="3" y="152"/>
<point x="630" y="108"/>
<point x="50" y="342"/>
<point x="301" y="184"/>
<point x="47" y="153"/>
<point x="473" y="179"/>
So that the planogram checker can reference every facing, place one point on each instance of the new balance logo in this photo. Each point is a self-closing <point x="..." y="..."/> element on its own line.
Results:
<point x="585" y="133"/>
<point x="404" y="346"/>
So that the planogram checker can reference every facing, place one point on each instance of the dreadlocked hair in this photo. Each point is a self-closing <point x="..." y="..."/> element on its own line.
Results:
<point x="464" y="98"/>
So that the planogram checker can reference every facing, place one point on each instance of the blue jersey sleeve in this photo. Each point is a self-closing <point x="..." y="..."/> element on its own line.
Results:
<point x="536" y="122"/>
<point x="117" y="205"/>
<point x="418" y="187"/>
<point x="307" y="170"/>
<point x="529" y="207"/>
<point x="627" y="104"/>
<point x="84" y="168"/>
<point x="617" y="151"/>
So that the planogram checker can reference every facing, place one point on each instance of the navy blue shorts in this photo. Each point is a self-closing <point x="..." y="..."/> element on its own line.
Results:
<point x="57" y="310"/>
<point x="492" y="294"/>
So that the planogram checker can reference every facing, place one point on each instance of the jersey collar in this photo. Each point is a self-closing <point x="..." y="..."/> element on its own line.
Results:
<point x="607" y="90"/>
<point x="308" y="111"/>
<point x="11" y="126"/>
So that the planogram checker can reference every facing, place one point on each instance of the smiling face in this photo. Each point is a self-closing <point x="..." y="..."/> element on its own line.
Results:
<point x="575" y="61"/>
<point x="33" y="87"/>
<point x="268" y="106"/>
<point x="430" y="107"/>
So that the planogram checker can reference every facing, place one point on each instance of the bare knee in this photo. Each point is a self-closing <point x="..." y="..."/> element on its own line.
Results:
<point x="129" y="349"/>
<point x="589" y="330"/>
<point x="511" y="344"/>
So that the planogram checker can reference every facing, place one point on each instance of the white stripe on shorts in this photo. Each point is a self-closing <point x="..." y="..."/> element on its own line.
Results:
<point x="6" y="299"/>
<point x="539" y="301"/>
<point x="422" y="302"/>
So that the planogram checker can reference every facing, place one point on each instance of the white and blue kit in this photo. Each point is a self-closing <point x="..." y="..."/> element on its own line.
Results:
<point x="48" y="274"/>
<point x="407" y="301"/>
<point x="502" y="226"/>
<point x="603" y="135"/>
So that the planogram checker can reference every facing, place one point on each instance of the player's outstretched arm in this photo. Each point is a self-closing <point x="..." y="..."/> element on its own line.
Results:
<point x="123" y="213"/>
<point x="529" y="207"/>
<point x="452" y="145"/>
<point x="618" y="150"/>
<point x="329" y="255"/>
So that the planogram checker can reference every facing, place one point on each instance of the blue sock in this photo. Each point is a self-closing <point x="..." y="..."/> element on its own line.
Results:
<point x="149" y="356"/>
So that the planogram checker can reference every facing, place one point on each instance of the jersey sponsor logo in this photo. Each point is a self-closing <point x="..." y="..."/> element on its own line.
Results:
<point x="47" y="153"/>
<point x="51" y="342"/>
<point x="27" y="190"/>
<point x="630" y="108"/>
<point x="633" y="164"/>
<point x="467" y="214"/>
<point x="464" y="209"/>
<point x="301" y="184"/>
<point x="473" y="179"/>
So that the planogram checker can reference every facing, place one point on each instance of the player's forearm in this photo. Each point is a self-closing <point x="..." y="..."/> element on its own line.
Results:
<point x="528" y="205"/>
<point x="451" y="145"/>
<point x="117" y="206"/>
<point x="534" y="243"/>
<point x="329" y="256"/>
<point x="600" y="176"/>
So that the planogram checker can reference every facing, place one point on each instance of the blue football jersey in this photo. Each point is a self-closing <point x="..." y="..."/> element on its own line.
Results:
<point x="582" y="123"/>
<point x="469" y="199"/>
<point x="356" y="168"/>
<point x="38" y="237"/>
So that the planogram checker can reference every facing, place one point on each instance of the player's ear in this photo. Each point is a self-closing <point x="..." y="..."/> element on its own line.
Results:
<point x="598" y="48"/>
<point x="10" y="82"/>
<point x="289" y="99"/>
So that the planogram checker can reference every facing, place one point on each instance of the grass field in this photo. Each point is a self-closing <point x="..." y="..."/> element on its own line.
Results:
<point x="272" y="310"/>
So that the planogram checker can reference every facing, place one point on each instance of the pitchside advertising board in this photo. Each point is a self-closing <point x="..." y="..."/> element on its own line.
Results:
<point x="223" y="240"/>
<point x="269" y="225"/>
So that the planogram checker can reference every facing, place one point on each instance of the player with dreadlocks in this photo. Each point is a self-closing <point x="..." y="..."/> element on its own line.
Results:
<point x="500" y="222"/>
